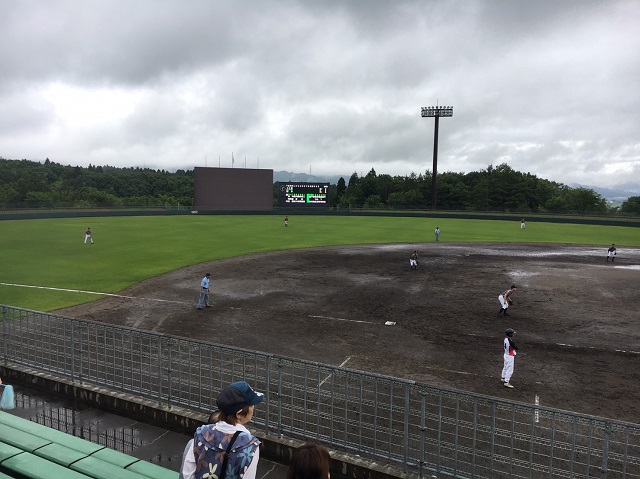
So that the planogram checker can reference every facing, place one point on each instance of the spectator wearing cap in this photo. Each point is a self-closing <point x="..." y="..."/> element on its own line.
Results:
<point x="226" y="448"/>
<point x="203" y="302"/>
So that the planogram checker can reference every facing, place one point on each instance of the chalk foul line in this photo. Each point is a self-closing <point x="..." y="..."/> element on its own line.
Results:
<point x="91" y="292"/>
<point x="599" y="349"/>
<point x="341" y="319"/>
<point x="329" y="376"/>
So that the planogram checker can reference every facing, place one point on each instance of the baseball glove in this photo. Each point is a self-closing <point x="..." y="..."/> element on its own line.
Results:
<point x="510" y="302"/>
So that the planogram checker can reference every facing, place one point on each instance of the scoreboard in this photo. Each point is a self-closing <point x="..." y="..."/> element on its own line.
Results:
<point x="303" y="194"/>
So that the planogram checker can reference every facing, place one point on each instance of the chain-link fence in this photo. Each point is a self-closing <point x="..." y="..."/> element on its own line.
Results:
<point x="424" y="429"/>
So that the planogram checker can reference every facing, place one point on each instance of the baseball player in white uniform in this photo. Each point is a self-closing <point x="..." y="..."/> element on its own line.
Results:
<point x="510" y="349"/>
<point x="413" y="260"/>
<point x="505" y="300"/>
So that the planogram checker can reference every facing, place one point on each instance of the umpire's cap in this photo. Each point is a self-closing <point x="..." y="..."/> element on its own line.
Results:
<point x="509" y="332"/>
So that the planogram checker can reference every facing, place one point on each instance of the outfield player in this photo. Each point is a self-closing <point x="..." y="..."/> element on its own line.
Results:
<point x="505" y="300"/>
<point x="611" y="253"/>
<point x="510" y="349"/>
<point x="203" y="302"/>
<point x="523" y="225"/>
<point x="413" y="260"/>
<point x="88" y="236"/>
<point x="437" y="233"/>
<point x="286" y="221"/>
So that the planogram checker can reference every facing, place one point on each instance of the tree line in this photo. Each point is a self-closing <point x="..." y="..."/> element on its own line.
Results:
<point x="496" y="188"/>
<point x="29" y="184"/>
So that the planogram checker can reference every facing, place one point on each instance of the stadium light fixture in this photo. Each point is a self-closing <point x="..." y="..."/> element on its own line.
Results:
<point x="435" y="112"/>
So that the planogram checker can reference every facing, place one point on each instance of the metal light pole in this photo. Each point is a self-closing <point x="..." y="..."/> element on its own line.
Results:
<point x="437" y="112"/>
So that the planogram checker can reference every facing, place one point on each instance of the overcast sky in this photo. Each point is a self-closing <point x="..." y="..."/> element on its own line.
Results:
<point x="327" y="87"/>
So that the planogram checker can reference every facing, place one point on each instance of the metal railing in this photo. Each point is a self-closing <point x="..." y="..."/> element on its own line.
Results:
<point x="423" y="429"/>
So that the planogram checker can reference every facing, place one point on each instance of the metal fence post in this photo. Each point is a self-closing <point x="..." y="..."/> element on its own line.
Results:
<point x="279" y="425"/>
<point x="605" y="450"/>
<point x="160" y="383"/>
<point x="405" y="446"/>
<point x="423" y="429"/>
<point x="267" y="392"/>
<point x="73" y="351"/>
<point x="170" y="344"/>
<point x="5" y="334"/>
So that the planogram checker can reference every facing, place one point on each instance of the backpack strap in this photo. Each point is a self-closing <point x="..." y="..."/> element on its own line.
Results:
<point x="225" y="461"/>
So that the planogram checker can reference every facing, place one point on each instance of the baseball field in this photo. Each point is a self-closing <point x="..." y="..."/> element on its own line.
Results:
<point x="324" y="289"/>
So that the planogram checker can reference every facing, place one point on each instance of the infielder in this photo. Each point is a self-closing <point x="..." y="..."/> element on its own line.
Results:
<point x="203" y="302"/>
<point x="611" y="253"/>
<point x="88" y="236"/>
<point x="505" y="300"/>
<point x="510" y="349"/>
<point x="413" y="260"/>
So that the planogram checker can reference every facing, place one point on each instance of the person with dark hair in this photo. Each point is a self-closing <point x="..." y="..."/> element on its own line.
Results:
<point x="310" y="461"/>
<point x="611" y="253"/>
<point x="226" y="447"/>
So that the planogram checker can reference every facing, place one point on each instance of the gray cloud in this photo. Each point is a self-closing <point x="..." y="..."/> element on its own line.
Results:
<point x="548" y="87"/>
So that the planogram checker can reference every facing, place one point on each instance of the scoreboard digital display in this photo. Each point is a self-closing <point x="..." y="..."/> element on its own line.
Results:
<point x="303" y="194"/>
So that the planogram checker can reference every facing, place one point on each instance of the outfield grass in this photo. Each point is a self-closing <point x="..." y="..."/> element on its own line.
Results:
<point x="127" y="250"/>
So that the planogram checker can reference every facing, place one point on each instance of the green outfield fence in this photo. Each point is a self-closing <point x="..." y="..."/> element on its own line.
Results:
<point x="169" y="210"/>
<point x="423" y="429"/>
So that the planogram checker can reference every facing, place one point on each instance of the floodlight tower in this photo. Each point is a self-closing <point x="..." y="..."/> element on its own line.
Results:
<point x="437" y="112"/>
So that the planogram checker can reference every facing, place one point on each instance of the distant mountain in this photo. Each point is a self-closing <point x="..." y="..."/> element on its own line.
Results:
<point x="303" y="177"/>
<point x="617" y="195"/>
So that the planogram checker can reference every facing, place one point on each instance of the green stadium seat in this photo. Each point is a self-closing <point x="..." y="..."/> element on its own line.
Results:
<point x="53" y="435"/>
<point x="99" y="469"/>
<point x="60" y="454"/>
<point x="27" y="465"/>
<point x="21" y="439"/>
<point x="30" y="450"/>
<point x="114" y="457"/>
<point x="153" y="471"/>
<point x="7" y="451"/>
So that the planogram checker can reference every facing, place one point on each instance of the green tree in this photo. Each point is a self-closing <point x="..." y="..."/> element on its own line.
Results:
<point x="585" y="200"/>
<point x="631" y="206"/>
<point x="373" y="201"/>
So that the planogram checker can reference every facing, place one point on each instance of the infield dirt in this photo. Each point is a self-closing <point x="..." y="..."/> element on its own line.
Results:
<point x="576" y="315"/>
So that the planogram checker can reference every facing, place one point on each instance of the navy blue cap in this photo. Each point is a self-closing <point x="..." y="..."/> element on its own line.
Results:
<point x="236" y="396"/>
